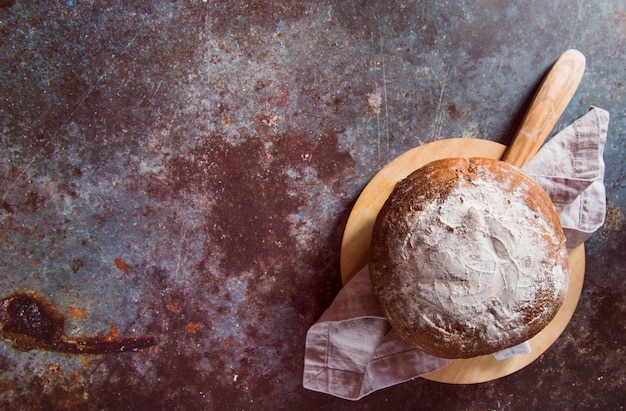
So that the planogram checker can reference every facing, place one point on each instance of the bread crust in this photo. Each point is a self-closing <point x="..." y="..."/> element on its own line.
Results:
<point x="468" y="257"/>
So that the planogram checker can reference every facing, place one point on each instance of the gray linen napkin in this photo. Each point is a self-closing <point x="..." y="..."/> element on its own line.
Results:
<point x="352" y="351"/>
<point x="570" y="169"/>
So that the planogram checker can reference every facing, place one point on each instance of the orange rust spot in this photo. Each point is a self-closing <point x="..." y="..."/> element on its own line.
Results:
<point x="192" y="328"/>
<point x="114" y="334"/>
<point x="77" y="313"/>
<point x="173" y="307"/>
<point x="122" y="265"/>
<point x="36" y="261"/>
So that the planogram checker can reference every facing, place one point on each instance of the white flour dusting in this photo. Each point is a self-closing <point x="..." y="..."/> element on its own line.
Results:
<point x="477" y="255"/>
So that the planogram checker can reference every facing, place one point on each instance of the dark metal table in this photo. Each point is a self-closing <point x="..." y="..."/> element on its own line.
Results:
<point x="184" y="170"/>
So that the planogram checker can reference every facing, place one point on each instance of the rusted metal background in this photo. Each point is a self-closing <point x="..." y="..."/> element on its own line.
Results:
<point x="184" y="170"/>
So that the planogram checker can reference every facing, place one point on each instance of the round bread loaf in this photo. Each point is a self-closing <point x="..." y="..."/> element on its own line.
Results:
<point x="468" y="258"/>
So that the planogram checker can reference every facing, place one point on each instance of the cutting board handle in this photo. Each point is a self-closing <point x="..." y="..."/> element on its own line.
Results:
<point x="555" y="92"/>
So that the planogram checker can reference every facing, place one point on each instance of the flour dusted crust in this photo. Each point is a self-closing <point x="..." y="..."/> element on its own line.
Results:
<point x="468" y="257"/>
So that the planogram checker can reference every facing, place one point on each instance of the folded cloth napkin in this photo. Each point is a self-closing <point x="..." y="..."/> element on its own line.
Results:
<point x="570" y="169"/>
<point x="352" y="351"/>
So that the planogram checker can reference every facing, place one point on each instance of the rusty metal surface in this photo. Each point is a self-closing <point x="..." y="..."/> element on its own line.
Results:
<point x="184" y="170"/>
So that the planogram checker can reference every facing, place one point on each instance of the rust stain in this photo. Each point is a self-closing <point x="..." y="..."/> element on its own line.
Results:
<point x="236" y="203"/>
<point x="76" y="380"/>
<point x="7" y="384"/>
<point x="228" y="341"/>
<point x="249" y="221"/>
<point x="29" y="322"/>
<point x="77" y="313"/>
<point x="173" y="307"/>
<point x="454" y="112"/>
<point x="113" y="334"/>
<point x="77" y="264"/>
<point x="122" y="265"/>
<point x="192" y="327"/>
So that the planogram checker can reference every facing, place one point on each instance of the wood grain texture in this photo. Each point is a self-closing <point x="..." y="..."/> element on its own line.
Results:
<point x="358" y="232"/>
<point x="554" y="94"/>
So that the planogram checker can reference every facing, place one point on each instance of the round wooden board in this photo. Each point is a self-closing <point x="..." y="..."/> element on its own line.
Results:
<point x="358" y="233"/>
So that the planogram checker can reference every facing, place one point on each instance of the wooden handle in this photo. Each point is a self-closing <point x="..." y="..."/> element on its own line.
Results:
<point x="554" y="94"/>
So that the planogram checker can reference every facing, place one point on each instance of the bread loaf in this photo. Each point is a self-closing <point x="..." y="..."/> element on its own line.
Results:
<point x="468" y="257"/>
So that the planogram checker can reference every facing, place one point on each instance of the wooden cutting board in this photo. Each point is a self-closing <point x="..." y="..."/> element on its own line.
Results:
<point x="358" y="233"/>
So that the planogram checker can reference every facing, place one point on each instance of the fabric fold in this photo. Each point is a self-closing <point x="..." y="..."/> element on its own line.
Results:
<point x="570" y="168"/>
<point x="350" y="357"/>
